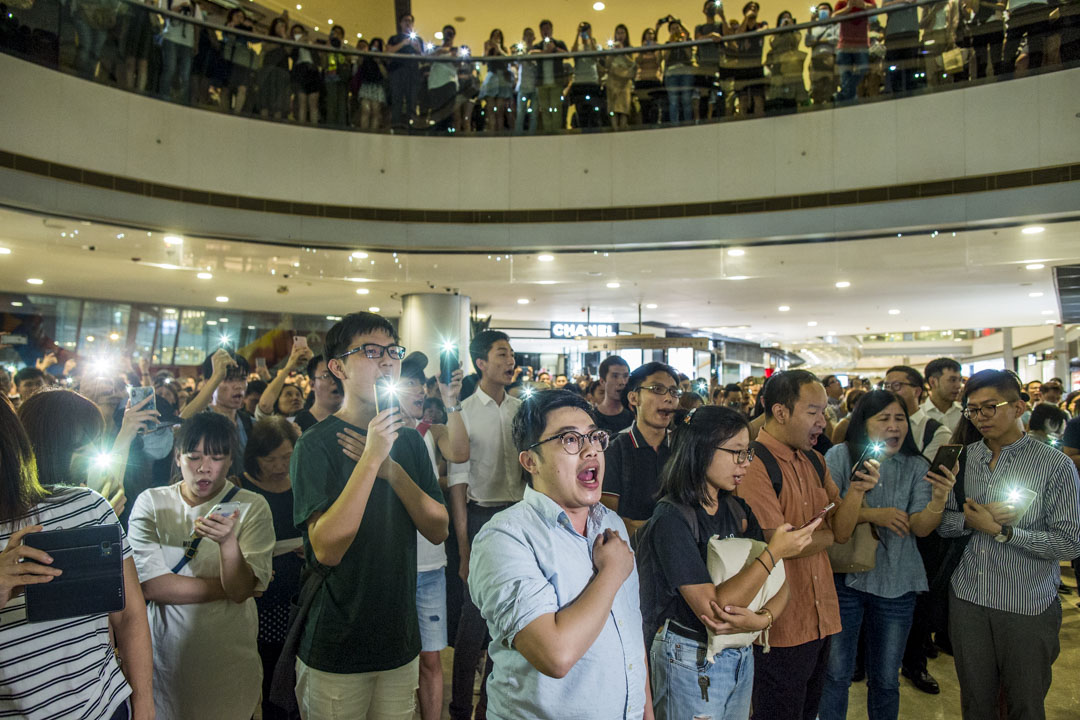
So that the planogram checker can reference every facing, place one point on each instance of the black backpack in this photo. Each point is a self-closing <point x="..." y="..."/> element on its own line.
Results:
<point x="776" y="477"/>
<point x="652" y="599"/>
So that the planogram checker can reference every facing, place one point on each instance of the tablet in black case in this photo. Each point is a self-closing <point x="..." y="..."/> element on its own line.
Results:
<point x="92" y="559"/>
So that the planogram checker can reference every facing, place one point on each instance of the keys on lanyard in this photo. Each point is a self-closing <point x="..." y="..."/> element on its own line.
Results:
<point x="703" y="681"/>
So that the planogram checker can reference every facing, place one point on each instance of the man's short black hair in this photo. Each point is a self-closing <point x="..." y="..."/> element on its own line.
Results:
<point x="732" y="387"/>
<point x="255" y="387"/>
<point x="531" y="417"/>
<point x="481" y="345"/>
<point x="28" y="373"/>
<point x="312" y="364"/>
<point x="545" y="22"/>
<point x="559" y="375"/>
<point x="241" y="370"/>
<point x="934" y="368"/>
<point x="608" y="362"/>
<point x="914" y="376"/>
<point x="638" y="377"/>
<point x="783" y="388"/>
<point x="1005" y="382"/>
<point x="341" y="335"/>
<point x="1045" y="414"/>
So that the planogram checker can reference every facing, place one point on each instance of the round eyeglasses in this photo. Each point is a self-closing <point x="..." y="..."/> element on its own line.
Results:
<point x="985" y="411"/>
<point x="573" y="442"/>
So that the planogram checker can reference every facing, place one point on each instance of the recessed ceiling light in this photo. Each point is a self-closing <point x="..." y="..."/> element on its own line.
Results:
<point x="545" y="258"/>
<point x="738" y="277"/>
<point x="812" y="323"/>
<point x="222" y="298"/>
<point x="223" y="319"/>
<point x="359" y="255"/>
<point x="843" y="284"/>
<point x="784" y="308"/>
<point x="5" y="251"/>
<point x="894" y="311"/>
<point x="299" y="7"/>
<point x="684" y="324"/>
<point x="736" y="252"/>
<point x="547" y="282"/>
<point x="89" y="338"/>
<point x="373" y="308"/>
<point x="16" y="303"/>
<point x="925" y="327"/>
<point x="1044" y="312"/>
<point x="1051" y="322"/>
<point x="1033" y="230"/>
<point x="360" y="35"/>
<point x="35" y="281"/>
<point x="173" y="240"/>
<point x="251" y="327"/>
<point x="114" y="336"/>
<point x="598" y="6"/>
<point x="330" y="22"/>
<point x="650" y="306"/>
<point x="831" y="332"/>
<point x="1035" y="294"/>
<point x="1034" y="266"/>
<point x="205" y="276"/>
<point x="613" y="285"/>
<point x="211" y="322"/>
<point x="362" y="291"/>
<point x="523" y="301"/>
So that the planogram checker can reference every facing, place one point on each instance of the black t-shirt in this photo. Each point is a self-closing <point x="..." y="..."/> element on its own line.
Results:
<point x="304" y="419"/>
<point x="709" y="53"/>
<point x="632" y="472"/>
<point x="1071" y="438"/>
<point x="406" y="49"/>
<point x="681" y="562"/>
<point x="287" y="566"/>
<point x="614" y="424"/>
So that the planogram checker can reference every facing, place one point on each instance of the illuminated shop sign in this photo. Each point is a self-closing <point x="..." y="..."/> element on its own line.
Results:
<point x="575" y="330"/>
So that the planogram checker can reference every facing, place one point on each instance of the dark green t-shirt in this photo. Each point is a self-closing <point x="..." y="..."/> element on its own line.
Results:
<point x="364" y="616"/>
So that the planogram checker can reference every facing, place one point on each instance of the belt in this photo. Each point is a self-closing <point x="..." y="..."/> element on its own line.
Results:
<point x="699" y="636"/>
<point x="492" y="506"/>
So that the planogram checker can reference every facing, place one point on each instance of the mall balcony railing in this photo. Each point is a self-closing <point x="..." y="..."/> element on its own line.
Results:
<point x="904" y="49"/>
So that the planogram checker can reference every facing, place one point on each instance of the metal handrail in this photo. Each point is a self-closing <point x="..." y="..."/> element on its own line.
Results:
<point x="536" y="57"/>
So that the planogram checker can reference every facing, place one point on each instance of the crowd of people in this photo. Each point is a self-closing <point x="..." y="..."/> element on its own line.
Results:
<point x="637" y="545"/>
<point x="528" y="86"/>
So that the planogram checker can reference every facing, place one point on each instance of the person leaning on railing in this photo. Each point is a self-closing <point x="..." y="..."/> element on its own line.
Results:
<point x="821" y="40"/>
<point x="648" y="85"/>
<point x="749" y="71"/>
<point x="273" y="76"/>
<point x="620" y="80"/>
<point x="678" y="74"/>
<point x="785" y="63"/>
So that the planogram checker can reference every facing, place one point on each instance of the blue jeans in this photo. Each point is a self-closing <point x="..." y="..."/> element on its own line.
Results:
<point x="888" y="621"/>
<point x="677" y="664"/>
<point x="680" y="90"/>
<point x="527" y="109"/>
<point x="175" y="61"/>
<point x="853" y="65"/>
<point x="91" y="43"/>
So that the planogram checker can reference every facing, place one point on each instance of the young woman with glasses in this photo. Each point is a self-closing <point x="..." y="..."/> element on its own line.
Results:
<point x="710" y="454"/>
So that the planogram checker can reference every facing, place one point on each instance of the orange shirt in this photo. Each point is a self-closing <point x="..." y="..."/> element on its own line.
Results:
<point x="813" y="611"/>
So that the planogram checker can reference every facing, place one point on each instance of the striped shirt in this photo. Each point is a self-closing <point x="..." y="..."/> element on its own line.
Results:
<point x="60" y="668"/>
<point x="1021" y="575"/>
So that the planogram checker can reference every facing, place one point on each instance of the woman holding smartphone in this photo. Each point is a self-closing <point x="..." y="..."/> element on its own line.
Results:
<point x="906" y="503"/>
<point x="200" y="567"/>
<point x="709" y="456"/>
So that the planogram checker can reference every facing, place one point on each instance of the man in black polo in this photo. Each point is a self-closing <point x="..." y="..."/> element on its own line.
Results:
<point x="634" y="459"/>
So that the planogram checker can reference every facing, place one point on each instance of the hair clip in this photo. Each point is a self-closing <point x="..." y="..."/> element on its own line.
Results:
<point x="690" y="415"/>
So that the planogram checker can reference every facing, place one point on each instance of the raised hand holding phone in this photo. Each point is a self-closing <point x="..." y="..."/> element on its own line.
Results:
<point x="219" y="523"/>
<point x="21" y="565"/>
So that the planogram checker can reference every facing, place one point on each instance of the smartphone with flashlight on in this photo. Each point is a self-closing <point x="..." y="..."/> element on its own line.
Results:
<point x="448" y="363"/>
<point x="1020" y="499"/>
<point x="821" y="514"/>
<point x="872" y="450"/>
<point x="386" y="395"/>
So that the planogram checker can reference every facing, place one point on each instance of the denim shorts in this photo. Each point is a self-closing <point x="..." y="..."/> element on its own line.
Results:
<point x="679" y="669"/>
<point x="431" y="609"/>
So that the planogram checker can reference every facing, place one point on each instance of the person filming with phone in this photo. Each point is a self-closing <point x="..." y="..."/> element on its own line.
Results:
<point x="906" y="503"/>
<point x="1019" y="515"/>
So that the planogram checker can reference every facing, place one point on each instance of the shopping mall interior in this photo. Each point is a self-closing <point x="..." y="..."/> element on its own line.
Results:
<point x="847" y="190"/>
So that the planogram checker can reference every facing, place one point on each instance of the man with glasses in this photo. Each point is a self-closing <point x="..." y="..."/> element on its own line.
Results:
<point x="363" y="486"/>
<point x="789" y="679"/>
<point x="943" y="377"/>
<point x="556" y="581"/>
<point x="1021" y="517"/>
<point x="489" y="482"/>
<point x="635" y="458"/>
<point x="834" y="390"/>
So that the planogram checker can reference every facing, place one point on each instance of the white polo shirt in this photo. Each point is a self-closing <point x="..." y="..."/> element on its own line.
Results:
<point x="492" y="473"/>
<point x="950" y="418"/>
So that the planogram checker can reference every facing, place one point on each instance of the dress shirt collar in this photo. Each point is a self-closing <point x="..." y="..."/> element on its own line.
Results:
<point x="779" y="450"/>
<point x="553" y="515"/>
<point x="639" y="440"/>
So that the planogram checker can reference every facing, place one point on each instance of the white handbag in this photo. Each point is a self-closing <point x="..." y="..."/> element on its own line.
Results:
<point x="726" y="559"/>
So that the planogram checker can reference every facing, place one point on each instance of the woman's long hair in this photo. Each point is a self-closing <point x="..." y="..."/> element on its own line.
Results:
<point x="693" y="444"/>
<point x="59" y="422"/>
<point x="20" y="491"/>
<point x="868" y="406"/>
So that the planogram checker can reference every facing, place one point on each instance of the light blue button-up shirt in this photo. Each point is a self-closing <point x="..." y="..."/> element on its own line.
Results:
<point x="528" y="561"/>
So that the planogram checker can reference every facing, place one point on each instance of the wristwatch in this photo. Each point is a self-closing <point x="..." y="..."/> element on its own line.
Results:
<point x="453" y="409"/>
<point x="1005" y="535"/>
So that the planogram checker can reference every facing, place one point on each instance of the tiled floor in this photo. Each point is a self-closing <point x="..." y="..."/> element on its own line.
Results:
<point x="1063" y="702"/>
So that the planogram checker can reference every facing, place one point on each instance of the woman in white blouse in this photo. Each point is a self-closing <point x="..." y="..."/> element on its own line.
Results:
<point x="203" y="619"/>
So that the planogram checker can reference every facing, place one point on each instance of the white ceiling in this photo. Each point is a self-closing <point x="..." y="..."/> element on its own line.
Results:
<point x="975" y="279"/>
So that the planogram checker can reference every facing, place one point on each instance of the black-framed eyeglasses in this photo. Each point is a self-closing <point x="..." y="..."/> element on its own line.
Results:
<point x="573" y="442"/>
<point x="895" y="386"/>
<point x="374" y="351"/>
<point x="663" y="390"/>
<point x="741" y="456"/>
<point x="984" y="411"/>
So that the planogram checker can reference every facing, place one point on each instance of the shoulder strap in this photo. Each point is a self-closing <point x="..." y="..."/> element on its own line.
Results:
<point x="688" y="515"/>
<point x="737" y="511"/>
<point x="771" y="466"/>
<point x="929" y="429"/>
<point x="812" y="456"/>
<point x="193" y="544"/>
